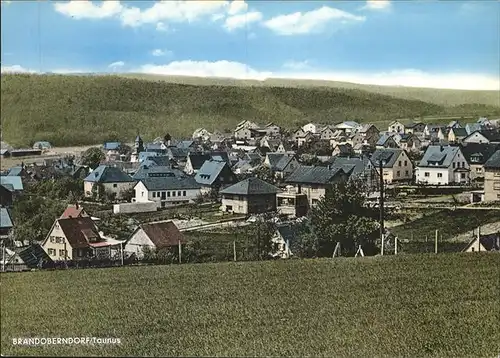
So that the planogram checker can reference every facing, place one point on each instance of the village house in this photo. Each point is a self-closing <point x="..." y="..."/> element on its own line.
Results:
<point x="270" y="143"/>
<point x="396" y="165"/>
<point x="396" y="127"/>
<point x="74" y="211"/>
<point x="153" y="237"/>
<point x="281" y="164"/>
<point x="311" y="128"/>
<point x="306" y="138"/>
<point x="483" y="136"/>
<point x="456" y="134"/>
<point x="178" y="155"/>
<point x="201" y="133"/>
<point x="271" y="130"/>
<point x="291" y="203"/>
<point x="214" y="174"/>
<point x="14" y="182"/>
<point x="415" y="127"/>
<point x="314" y="181"/>
<point x="408" y="142"/>
<point x="443" y="166"/>
<point x="112" y="179"/>
<point x="155" y="171"/>
<point x="492" y="178"/>
<point x="73" y="239"/>
<point x="348" y="127"/>
<point x="369" y="130"/>
<point x="327" y="133"/>
<point x="442" y="133"/>
<point x="284" y="147"/>
<point x="43" y="145"/>
<point x="386" y="141"/>
<point x="484" y="243"/>
<point x="6" y="224"/>
<point x="476" y="155"/>
<point x="343" y="150"/>
<point x="298" y="133"/>
<point x="250" y="196"/>
<point x="195" y="161"/>
<point x="167" y="191"/>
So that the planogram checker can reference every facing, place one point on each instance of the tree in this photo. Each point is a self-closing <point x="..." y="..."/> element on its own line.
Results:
<point x="92" y="157"/>
<point x="261" y="233"/>
<point x="342" y="216"/>
<point x="264" y="173"/>
<point x="124" y="149"/>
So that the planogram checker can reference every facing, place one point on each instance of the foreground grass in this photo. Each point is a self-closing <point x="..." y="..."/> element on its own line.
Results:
<point x="427" y="305"/>
<point x="77" y="110"/>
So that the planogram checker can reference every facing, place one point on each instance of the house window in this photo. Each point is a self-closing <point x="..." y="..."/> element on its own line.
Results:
<point x="173" y="193"/>
<point x="427" y="174"/>
<point x="51" y="252"/>
<point x="496" y="185"/>
<point x="462" y="175"/>
<point x="463" y="164"/>
<point x="406" y="163"/>
<point x="168" y="194"/>
<point x="62" y="253"/>
<point x="479" y="170"/>
<point x="439" y="175"/>
<point x="453" y="165"/>
<point x="115" y="185"/>
<point x="142" y="193"/>
<point x="52" y="239"/>
<point x="407" y="172"/>
<point x="184" y="193"/>
<point x="179" y="193"/>
<point x="399" y="163"/>
<point x="472" y="249"/>
<point x="398" y="173"/>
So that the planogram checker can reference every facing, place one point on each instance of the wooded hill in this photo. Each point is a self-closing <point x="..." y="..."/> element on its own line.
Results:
<point x="70" y="110"/>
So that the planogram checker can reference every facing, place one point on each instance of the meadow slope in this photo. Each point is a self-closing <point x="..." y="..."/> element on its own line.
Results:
<point x="408" y="305"/>
<point x="72" y="110"/>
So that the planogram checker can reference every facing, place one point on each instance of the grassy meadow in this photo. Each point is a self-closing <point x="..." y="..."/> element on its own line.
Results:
<point x="408" y="305"/>
<point x="70" y="110"/>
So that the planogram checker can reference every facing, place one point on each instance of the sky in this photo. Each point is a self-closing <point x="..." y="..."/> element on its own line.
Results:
<point x="438" y="44"/>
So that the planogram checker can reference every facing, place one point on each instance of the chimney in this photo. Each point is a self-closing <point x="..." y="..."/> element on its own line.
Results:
<point x="441" y="148"/>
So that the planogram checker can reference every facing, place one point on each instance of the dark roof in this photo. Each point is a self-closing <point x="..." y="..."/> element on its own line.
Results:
<point x="160" y="160"/>
<point x="459" y="132"/>
<point x="5" y="219"/>
<point x="313" y="175"/>
<point x="170" y="183"/>
<point x="489" y="242"/>
<point x="357" y="164"/>
<point x="8" y="187"/>
<point x="492" y="135"/>
<point x="494" y="161"/>
<point x="413" y="125"/>
<point x="480" y="150"/>
<point x="178" y="153"/>
<point x="163" y="234"/>
<point x="210" y="171"/>
<point x="279" y="161"/>
<point x="388" y="155"/>
<point x="185" y="143"/>
<point x="145" y="171"/>
<point x="33" y="254"/>
<point x="251" y="186"/>
<point x="79" y="231"/>
<point x="384" y="138"/>
<point x="107" y="174"/>
<point x="197" y="159"/>
<point x="15" y="171"/>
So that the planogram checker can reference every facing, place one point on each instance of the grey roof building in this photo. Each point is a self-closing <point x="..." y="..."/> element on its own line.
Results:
<point x="251" y="186"/>
<point x="107" y="174"/>
<point x="170" y="183"/>
<point x="155" y="171"/>
<point x="388" y="156"/>
<point x="315" y="175"/>
<point x="438" y="156"/>
<point x="214" y="173"/>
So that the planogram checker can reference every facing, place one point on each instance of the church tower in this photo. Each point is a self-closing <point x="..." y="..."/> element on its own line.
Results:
<point x="138" y="147"/>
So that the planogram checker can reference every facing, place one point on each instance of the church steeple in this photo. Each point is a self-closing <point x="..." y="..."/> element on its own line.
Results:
<point x="139" y="144"/>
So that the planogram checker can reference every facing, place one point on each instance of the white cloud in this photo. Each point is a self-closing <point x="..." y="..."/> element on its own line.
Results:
<point x="296" y="65"/>
<point x="159" y="52"/>
<point x="408" y="77"/>
<point x="227" y="69"/>
<point x="116" y="65"/>
<point x="161" y="27"/>
<point x="172" y="11"/>
<point x="242" y="20"/>
<point x="377" y="5"/>
<point x="237" y="6"/>
<point x="84" y="9"/>
<point x="310" y="22"/>
<point x="16" y="69"/>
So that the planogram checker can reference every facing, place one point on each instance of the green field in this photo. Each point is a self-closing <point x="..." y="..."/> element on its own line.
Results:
<point x="70" y="110"/>
<point x="425" y="305"/>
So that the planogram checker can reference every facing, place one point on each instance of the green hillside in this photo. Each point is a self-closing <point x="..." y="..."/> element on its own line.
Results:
<point x="409" y="305"/>
<point x="76" y="110"/>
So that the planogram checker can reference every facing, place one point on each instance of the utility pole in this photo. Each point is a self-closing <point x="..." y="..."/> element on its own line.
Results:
<point x="436" y="243"/>
<point x="3" y="256"/>
<point x="234" y="250"/>
<point x="180" y="252"/>
<point x="382" y="231"/>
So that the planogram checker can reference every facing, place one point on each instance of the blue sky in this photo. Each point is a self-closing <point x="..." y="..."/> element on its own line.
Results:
<point x="450" y="44"/>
